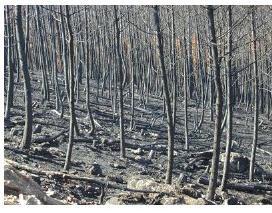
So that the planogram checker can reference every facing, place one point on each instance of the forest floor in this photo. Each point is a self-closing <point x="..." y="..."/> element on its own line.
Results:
<point x="103" y="147"/>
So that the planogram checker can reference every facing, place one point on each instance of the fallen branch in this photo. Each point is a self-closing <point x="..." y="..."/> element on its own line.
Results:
<point x="52" y="174"/>
<point x="205" y="154"/>
<point x="246" y="187"/>
<point x="192" y="162"/>
<point x="162" y="145"/>
<point x="57" y="112"/>
<point x="264" y="151"/>
<point x="48" y="139"/>
<point x="260" y="124"/>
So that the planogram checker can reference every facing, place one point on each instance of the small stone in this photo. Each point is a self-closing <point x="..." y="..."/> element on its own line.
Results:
<point x="118" y="166"/>
<point x="117" y="179"/>
<point x="138" y="151"/>
<point x="37" y="129"/>
<point x="29" y="200"/>
<point x="50" y="192"/>
<point x="56" y="151"/>
<point x="42" y="151"/>
<point x="114" y="201"/>
<point x="172" y="201"/>
<point x="238" y="162"/>
<point x="154" y="135"/>
<point x="192" y="201"/>
<point x="90" y="191"/>
<point x="143" y="171"/>
<point x="96" y="169"/>
<point x="142" y="160"/>
<point x="11" y="200"/>
<point x="191" y="192"/>
<point x="269" y="192"/>
<point x="231" y="201"/>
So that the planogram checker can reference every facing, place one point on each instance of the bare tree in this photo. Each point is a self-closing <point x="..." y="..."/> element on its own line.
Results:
<point x="9" y="102"/>
<point x="256" y="94"/>
<point x="219" y="104"/>
<point x="229" y="102"/>
<point x="87" y="67"/>
<point x="26" y="141"/>
<point x="170" y="125"/>
<point x="71" y="99"/>
<point x="121" y="102"/>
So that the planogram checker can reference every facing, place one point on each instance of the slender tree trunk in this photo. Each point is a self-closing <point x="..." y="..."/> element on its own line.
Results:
<point x="121" y="103"/>
<point x="9" y="102"/>
<point x="64" y="54"/>
<point x="174" y="68"/>
<point x="229" y="102"/>
<point x="26" y="141"/>
<point x="71" y="99"/>
<point x="219" y="104"/>
<point x="46" y="92"/>
<point x="90" y="116"/>
<point x="168" y="179"/>
<point x="256" y="91"/>
<point x="185" y="87"/>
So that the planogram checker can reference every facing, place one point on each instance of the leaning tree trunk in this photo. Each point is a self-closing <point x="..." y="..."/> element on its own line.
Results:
<point x="118" y="33"/>
<point x="256" y="103"/>
<point x="168" y="179"/>
<point x="219" y="103"/>
<point x="26" y="141"/>
<point x="229" y="103"/>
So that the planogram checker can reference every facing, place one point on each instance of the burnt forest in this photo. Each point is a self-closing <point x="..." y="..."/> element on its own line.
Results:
<point x="137" y="105"/>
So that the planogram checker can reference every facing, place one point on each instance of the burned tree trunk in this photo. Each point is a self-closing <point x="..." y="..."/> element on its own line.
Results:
<point x="64" y="54"/>
<point x="71" y="99"/>
<point x="170" y="125"/>
<point x="256" y="94"/>
<point x="121" y="108"/>
<point x="9" y="102"/>
<point x="219" y="103"/>
<point x="185" y="86"/>
<point x="87" y="67"/>
<point x="26" y="141"/>
<point x="229" y="101"/>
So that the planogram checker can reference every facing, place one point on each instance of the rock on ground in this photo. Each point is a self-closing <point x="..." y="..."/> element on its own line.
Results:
<point x="16" y="183"/>
<point x="238" y="162"/>
<point x="144" y="183"/>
